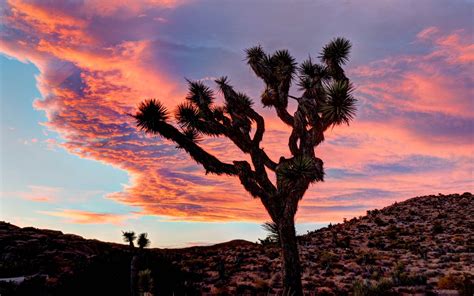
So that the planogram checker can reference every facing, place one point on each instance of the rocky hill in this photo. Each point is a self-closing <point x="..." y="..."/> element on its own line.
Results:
<point x="422" y="246"/>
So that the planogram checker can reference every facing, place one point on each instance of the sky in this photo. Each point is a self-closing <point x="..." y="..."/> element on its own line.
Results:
<point x="71" y="71"/>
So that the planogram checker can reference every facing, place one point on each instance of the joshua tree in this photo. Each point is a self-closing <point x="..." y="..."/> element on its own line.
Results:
<point x="143" y="241"/>
<point x="129" y="237"/>
<point x="325" y="101"/>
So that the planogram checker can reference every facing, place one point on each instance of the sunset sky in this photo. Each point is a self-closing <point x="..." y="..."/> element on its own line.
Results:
<point x="70" y="72"/>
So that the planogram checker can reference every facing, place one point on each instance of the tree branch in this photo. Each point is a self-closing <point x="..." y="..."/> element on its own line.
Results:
<point x="210" y="163"/>
<point x="284" y="115"/>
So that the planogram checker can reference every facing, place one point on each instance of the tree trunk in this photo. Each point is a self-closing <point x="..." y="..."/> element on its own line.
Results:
<point x="134" y="276"/>
<point x="290" y="257"/>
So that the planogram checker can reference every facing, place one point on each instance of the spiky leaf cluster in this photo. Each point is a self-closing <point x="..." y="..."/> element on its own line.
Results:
<point x="129" y="237"/>
<point x="235" y="102"/>
<point x="301" y="168"/>
<point x="143" y="240"/>
<point x="283" y="66"/>
<point x="259" y="62"/>
<point x="151" y="114"/>
<point x="340" y="105"/>
<point x="188" y="115"/>
<point x="336" y="52"/>
<point x="311" y="77"/>
<point x="276" y="71"/>
<point x="194" y="115"/>
<point x="199" y="94"/>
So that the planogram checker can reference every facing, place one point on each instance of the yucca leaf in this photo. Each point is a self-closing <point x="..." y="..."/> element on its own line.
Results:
<point x="199" y="94"/>
<point x="301" y="168"/>
<point x="340" y="105"/>
<point x="151" y="113"/>
<point x="260" y="63"/>
<point x="234" y="101"/>
<point x="143" y="240"/>
<point x="187" y="115"/>
<point x="283" y="64"/>
<point x="311" y="77"/>
<point x="192" y="134"/>
<point x="254" y="54"/>
<point x="336" y="51"/>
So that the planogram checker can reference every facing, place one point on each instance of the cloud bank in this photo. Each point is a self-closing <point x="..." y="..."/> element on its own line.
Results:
<point x="98" y="59"/>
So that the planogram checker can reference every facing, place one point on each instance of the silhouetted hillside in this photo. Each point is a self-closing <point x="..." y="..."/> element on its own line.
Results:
<point x="422" y="246"/>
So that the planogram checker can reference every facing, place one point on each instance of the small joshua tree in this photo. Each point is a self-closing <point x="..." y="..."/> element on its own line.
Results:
<point x="143" y="241"/>
<point x="129" y="237"/>
<point x="325" y="101"/>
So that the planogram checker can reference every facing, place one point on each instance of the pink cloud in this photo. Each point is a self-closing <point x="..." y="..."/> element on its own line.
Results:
<point x="424" y="82"/>
<point x="90" y="80"/>
<point x="40" y="193"/>
<point x="86" y="217"/>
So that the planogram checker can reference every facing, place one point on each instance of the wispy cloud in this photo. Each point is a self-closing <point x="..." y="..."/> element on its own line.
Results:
<point x="97" y="60"/>
<point x="86" y="217"/>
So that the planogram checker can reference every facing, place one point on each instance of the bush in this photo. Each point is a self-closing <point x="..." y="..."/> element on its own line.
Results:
<point x="366" y="288"/>
<point x="380" y="222"/>
<point x="327" y="258"/>
<point x="366" y="258"/>
<point x="401" y="277"/>
<point x="463" y="283"/>
<point x="437" y="228"/>
<point x="145" y="281"/>
<point x="392" y="232"/>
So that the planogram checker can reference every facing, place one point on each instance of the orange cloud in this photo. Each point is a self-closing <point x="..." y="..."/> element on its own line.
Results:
<point x="85" y="217"/>
<point x="90" y="81"/>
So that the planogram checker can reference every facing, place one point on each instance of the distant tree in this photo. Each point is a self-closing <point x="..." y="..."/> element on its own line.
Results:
<point x="143" y="241"/>
<point x="129" y="237"/>
<point x="325" y="101"/>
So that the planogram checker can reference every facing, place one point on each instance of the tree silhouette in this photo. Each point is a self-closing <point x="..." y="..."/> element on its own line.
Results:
<point x="129" y="237"/>
<point x="143" y="241"/>
<point x="325" y="101"/>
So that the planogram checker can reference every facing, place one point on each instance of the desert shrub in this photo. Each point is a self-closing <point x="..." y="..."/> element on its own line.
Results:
<point x="380" y="222"/>
<point x="345" y="242"/>
<point x="437" y="228"/>
<point x="376" y="243"/>
<point x="145" y="282"/>
<point x="392" y="232"/>
<point x="327" y="258"/>
<point x="401" y="277"/>
<point x="366" y="258"/>
<point x="366" y="288"/>
<point x="463" y="283"/>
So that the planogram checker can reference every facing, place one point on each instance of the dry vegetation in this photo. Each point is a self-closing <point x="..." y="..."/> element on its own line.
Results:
<point x="423" y="246"/>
